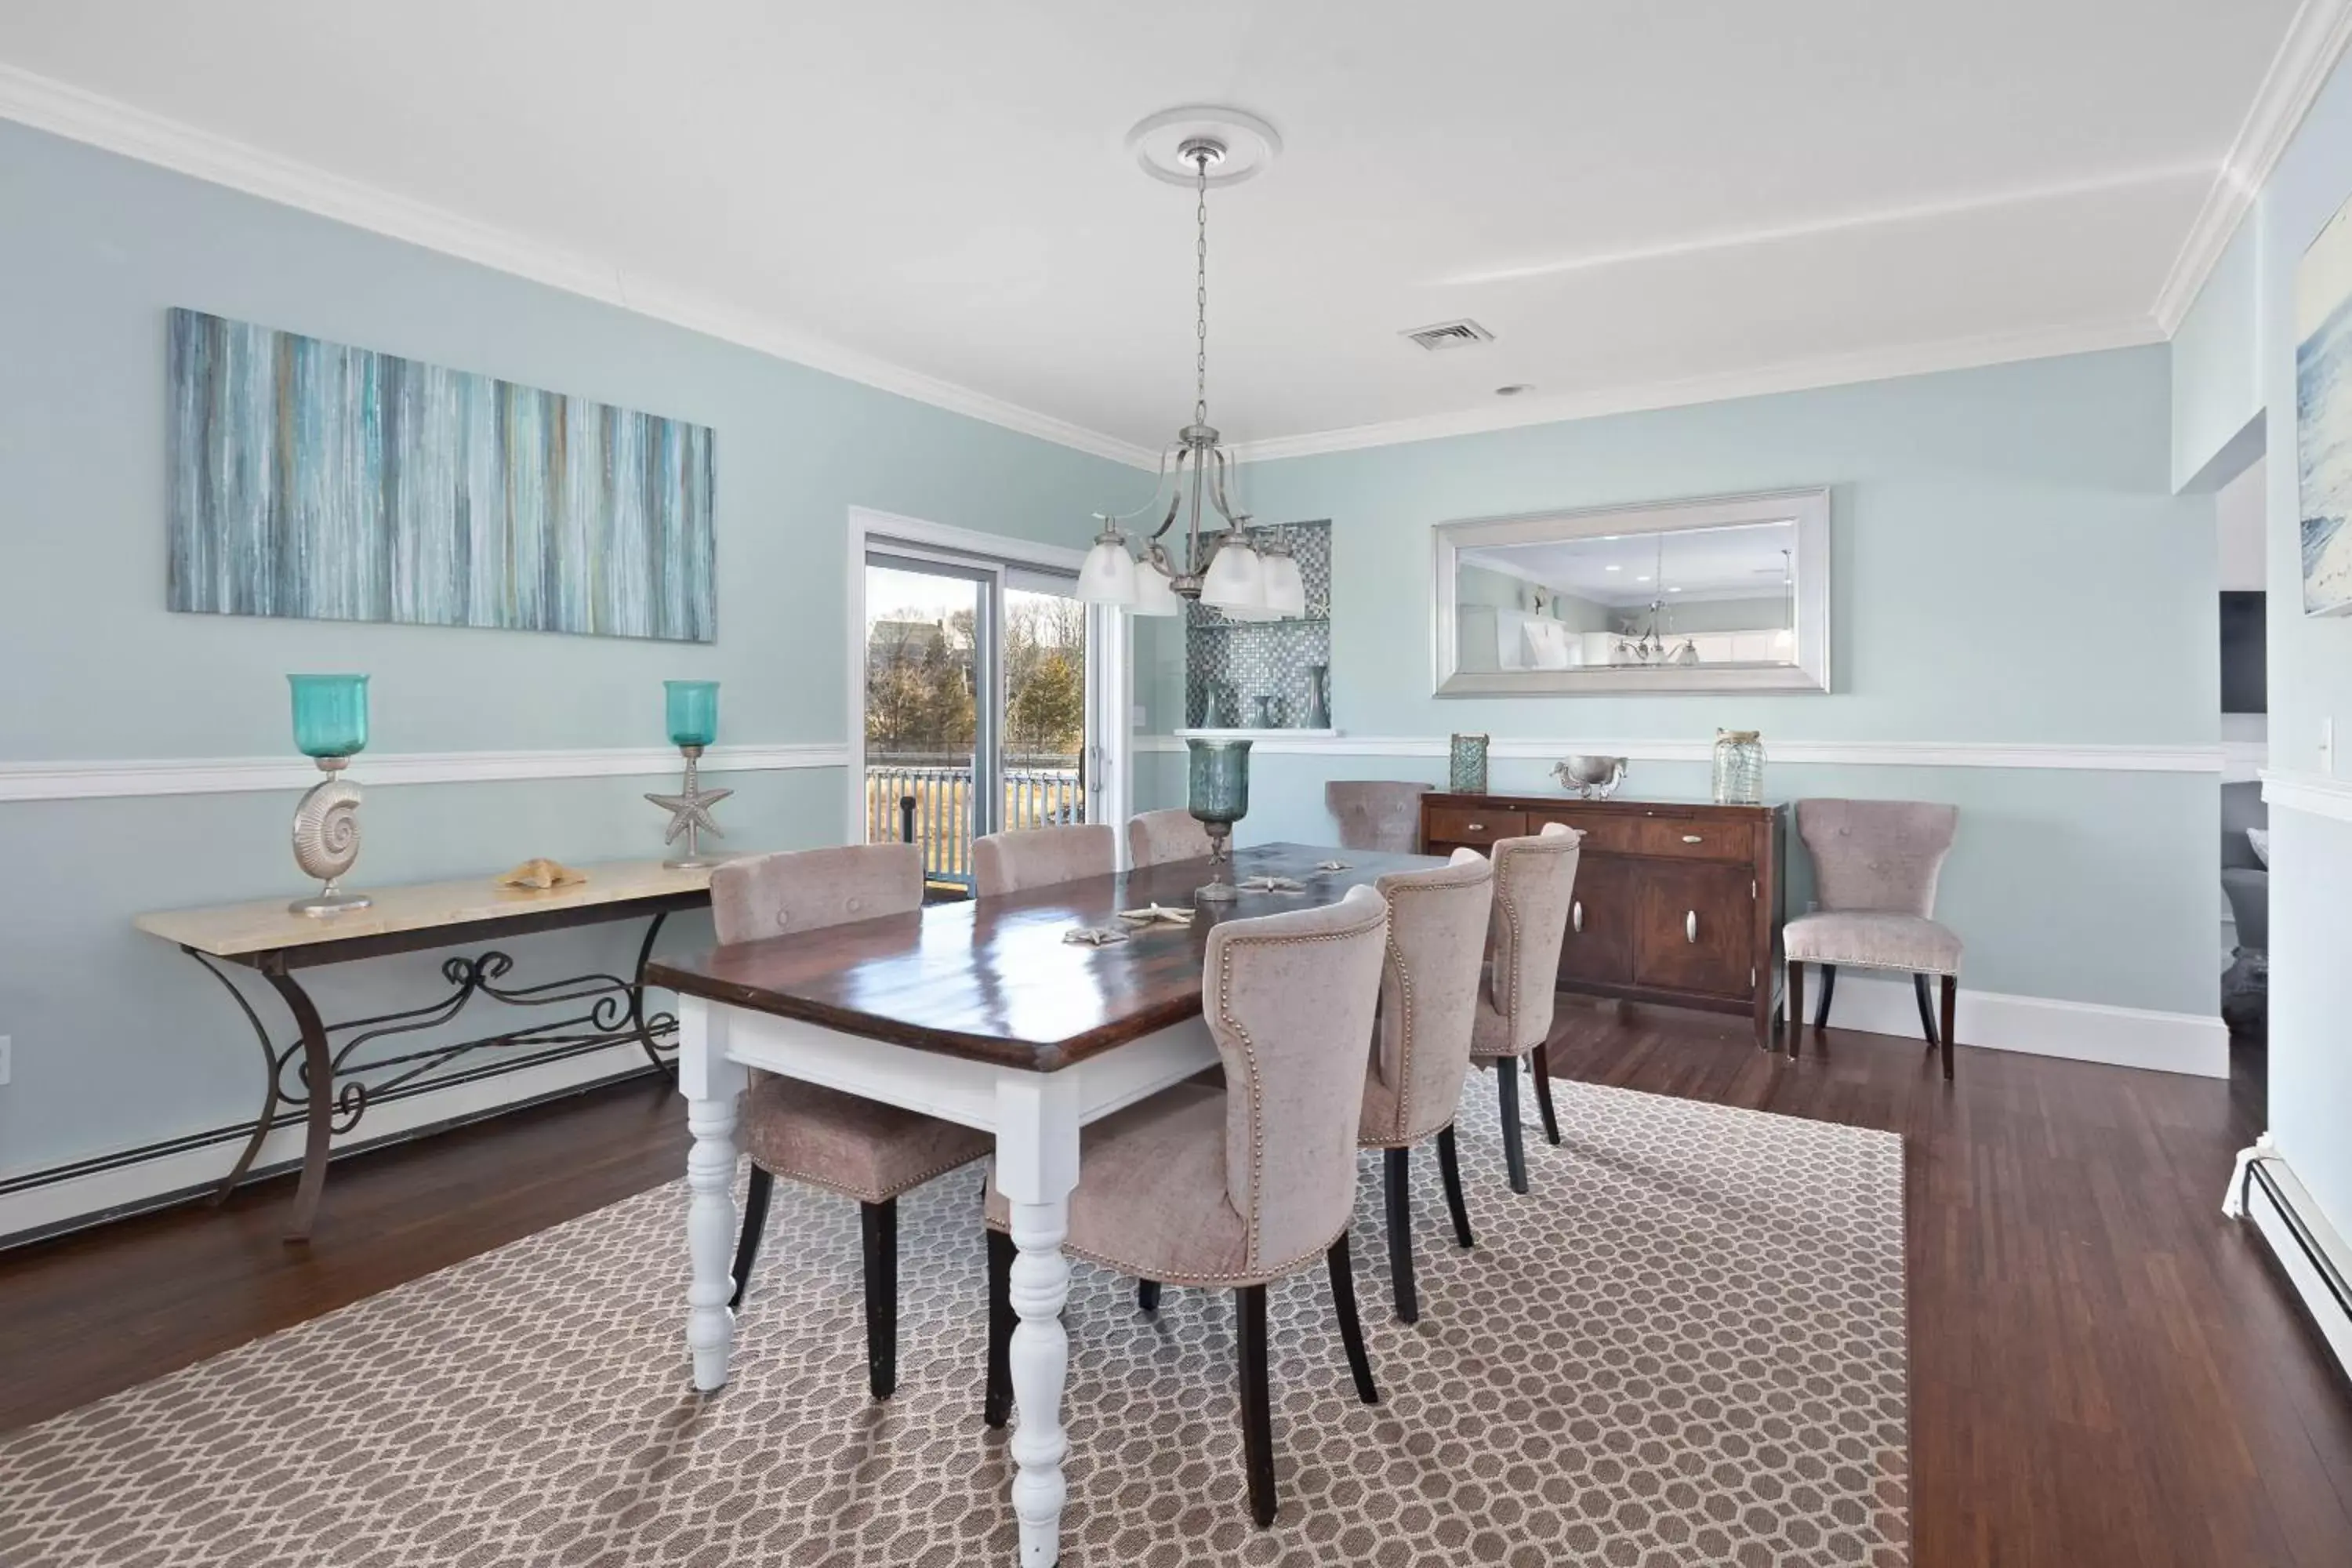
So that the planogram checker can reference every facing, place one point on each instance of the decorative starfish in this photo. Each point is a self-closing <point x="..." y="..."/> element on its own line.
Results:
<point x="1093" y="936"/>
<point x="1157" y="914"/>
<point x="690" y="808"/>
<point x="1273" y="885"/>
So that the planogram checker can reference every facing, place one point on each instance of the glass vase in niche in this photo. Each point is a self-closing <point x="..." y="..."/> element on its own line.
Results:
<point x="1319" y="697"/>
<point x="1738" y="767"/>
<point x="1466" y="770"/>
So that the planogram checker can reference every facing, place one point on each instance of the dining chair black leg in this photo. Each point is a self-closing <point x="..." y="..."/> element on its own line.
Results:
<point x="997" y="1407"/>
<point x="1515" y="1150"/>
<point x="1829" y="989"/>
<point x="1449" y="1165"/>
<point x="1147" y="1295"/>
<point x="755" y="1225"/>
<point x="1926" y="1007"/>
<point x="1397" y="1171"/>
<point x="1257" y="1404"/>
<point x="1951" y="1010"/>
<point x="1539" y="1060"/>
<point x="881" y="1228"/>
<point x="1342" y="1264"/>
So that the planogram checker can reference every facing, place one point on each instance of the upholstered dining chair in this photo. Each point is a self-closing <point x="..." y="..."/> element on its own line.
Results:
<point x="860" y="1148"/>
<point x="1233" y="1188"/>
<point x="1036" y="856"/>
<point x="1421" y="1045"/>
<point x="1535" y="881"/>
<point x="1876" y="864"/>
<point x="1376" y="814"/>
<point x="1156" y="837"/>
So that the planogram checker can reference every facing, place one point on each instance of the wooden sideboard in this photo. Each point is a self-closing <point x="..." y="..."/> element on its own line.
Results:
<point x="1677" y="901"/>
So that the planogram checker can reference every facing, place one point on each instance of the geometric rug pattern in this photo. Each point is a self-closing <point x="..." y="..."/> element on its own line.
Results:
<point x="1685" y="1347"/>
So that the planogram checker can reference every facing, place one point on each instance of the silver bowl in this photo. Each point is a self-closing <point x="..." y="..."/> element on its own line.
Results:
<point x="1592" y="778"/>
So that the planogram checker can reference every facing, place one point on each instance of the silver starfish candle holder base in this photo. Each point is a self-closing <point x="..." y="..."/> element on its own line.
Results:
<point x="690" y="817"/>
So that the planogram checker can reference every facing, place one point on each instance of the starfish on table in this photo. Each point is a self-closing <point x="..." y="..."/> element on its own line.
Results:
<point x="690" y="809"/>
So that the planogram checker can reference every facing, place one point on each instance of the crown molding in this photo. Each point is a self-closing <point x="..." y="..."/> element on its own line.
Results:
<point x="1794" y="375"/>
<point x="2315" y="41"/>
<point x="115" y="779"/>
<point x="63" y="109"/>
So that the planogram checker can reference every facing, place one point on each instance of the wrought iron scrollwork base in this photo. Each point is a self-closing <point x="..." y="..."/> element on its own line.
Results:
<point x="334" y="1083"/>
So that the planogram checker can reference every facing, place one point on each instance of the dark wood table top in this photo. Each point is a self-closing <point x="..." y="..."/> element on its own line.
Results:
<point x="992" y="980"/>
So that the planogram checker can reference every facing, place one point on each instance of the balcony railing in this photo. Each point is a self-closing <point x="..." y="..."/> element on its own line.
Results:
<point x="940" y="818"/>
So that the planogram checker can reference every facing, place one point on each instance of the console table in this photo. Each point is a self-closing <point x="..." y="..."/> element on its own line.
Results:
<point x="1675" y="901"/>
<point x="331" y="1083"/>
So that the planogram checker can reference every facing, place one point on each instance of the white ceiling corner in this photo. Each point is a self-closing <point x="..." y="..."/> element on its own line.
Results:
<point x="1649" y="206"/>
<point x="2315" y="41"/>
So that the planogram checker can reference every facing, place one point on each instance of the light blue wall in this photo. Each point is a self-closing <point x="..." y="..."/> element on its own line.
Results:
<point x="2217" y="373"/>
<point x="2310" y="662"/>
<point x="117" y="1039"/>
<point x="2010" y="565"/>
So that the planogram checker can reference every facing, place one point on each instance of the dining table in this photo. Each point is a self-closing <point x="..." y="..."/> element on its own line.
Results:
<point x="989" y="1014"/>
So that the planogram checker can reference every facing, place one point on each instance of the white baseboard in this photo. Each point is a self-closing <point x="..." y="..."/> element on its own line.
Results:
<point x="140" y="1184"/>
<point x="2258" y="1205"/>
<point x="2036" y="1026"/>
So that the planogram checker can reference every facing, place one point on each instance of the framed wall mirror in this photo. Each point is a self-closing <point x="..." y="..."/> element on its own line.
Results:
<point x="1726" y="595"/>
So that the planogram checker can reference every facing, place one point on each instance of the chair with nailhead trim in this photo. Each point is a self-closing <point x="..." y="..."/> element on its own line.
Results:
<point x="1421" y="1048"/>
<point x="868" y="1151"/>
<point x="1231" y="1187"/>
<point x="1535" y="882"/>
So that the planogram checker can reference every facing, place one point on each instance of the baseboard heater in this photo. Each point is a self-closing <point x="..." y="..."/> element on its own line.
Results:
<point x="2265" y="1190"/>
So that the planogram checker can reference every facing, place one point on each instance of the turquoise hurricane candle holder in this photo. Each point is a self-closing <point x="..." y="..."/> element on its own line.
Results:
<point x="691" y="707"/>
<point x="330" y="727"/>
<point x="1218" y="797"/>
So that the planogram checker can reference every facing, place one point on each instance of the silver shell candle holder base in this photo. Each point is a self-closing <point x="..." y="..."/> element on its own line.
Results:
<point x="327" y="839"/>
<point x="328" y="901"/>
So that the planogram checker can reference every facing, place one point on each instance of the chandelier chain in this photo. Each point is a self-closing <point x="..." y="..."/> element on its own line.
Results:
<point x="1200" y="289"/>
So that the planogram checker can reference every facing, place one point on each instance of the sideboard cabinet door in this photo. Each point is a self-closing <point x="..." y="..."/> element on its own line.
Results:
<point x="1598" y="943"/>
<point x="1695" y="928"/>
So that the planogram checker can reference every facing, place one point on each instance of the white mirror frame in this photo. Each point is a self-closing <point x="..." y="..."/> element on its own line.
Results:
<point x="1809" y="510"/>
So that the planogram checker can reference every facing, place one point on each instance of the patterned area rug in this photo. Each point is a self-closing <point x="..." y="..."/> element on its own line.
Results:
<point x="1686" y="1346"/>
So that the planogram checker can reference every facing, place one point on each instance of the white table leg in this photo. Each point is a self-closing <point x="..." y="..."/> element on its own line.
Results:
<point x="712" y="1085"/>
<point x="1036" y="1166"/>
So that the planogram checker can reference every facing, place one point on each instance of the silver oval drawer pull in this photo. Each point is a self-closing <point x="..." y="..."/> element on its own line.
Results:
<point x="1576" y="914"/>
<point x="1690" y="926"/>
<point x="1693" y="838"/>
<point x="1474" y="827"/>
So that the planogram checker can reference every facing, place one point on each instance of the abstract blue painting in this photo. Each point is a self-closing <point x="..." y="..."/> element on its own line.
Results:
<point x="2323" y="416"/>
<point x="316" y="480"/>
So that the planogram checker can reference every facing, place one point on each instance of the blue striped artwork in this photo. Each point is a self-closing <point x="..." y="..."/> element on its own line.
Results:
<point x="316" y="480"/>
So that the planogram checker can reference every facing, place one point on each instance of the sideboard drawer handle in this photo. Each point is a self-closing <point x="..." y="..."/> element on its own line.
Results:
<point x="1474" y="827"/>
<point x="1576" y="914"/>
<point x="1693" y="838"/>
<point x="1690" y="926"/>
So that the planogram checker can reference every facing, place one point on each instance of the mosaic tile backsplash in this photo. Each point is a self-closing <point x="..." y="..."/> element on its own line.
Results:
<point x="1244" y="660"/>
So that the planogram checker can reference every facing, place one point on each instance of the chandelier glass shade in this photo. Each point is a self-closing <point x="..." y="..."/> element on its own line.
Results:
<point x="1229" y="569"/>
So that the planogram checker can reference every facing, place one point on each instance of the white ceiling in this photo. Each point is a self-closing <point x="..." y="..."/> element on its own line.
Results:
<point x="1747" y="562"/>
<point x="1646" y="201"/>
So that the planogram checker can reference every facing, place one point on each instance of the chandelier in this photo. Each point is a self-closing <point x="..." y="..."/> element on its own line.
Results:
<point x="1656" y="644"/>
<point x="1244" y="574"/>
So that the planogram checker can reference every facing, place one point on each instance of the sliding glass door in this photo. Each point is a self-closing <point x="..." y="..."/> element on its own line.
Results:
<point x="977" y="703"/>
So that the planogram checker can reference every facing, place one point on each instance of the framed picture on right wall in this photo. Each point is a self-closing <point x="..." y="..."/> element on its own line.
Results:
<point x="2323" y="416"/>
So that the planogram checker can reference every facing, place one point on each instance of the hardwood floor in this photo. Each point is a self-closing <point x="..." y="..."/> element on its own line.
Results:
<point x="2103" y="1370"/>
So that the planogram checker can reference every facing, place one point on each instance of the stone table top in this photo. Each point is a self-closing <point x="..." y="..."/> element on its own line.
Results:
<point x="264" y="925"/>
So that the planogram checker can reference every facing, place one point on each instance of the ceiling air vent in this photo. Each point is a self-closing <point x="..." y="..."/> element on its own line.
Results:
<point x="1461" y="334"/>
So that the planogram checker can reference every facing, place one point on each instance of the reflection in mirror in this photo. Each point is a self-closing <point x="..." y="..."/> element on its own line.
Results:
<point x="1724" y="595"/>
<point x="1715" y="595"/>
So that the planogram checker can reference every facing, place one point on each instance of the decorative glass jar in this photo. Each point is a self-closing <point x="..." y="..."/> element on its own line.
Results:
<point x="1465" y="771"/>
<point x="1738" y="767"/>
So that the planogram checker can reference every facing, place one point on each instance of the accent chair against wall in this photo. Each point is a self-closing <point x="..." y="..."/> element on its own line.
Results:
<point x="842" y="1142"/>
<point x="1876" y="864"/>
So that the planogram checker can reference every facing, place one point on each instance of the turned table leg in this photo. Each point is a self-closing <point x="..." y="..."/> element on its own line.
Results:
<point x="711" y="1084"/>
<point x="1036" y="1166"/>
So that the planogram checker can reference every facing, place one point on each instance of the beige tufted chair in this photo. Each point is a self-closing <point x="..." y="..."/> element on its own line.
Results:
<point x="1156" y="837"/>
<point x="1421" y="1048"/>
<point x="1037" y="856"/>
<point x="868" y="1151"/>
<point x="1376" y="814"/>
<point x="1232" y="1187"/>
<point x="1535" y="881"/>
<point x="1876" y="865"/>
